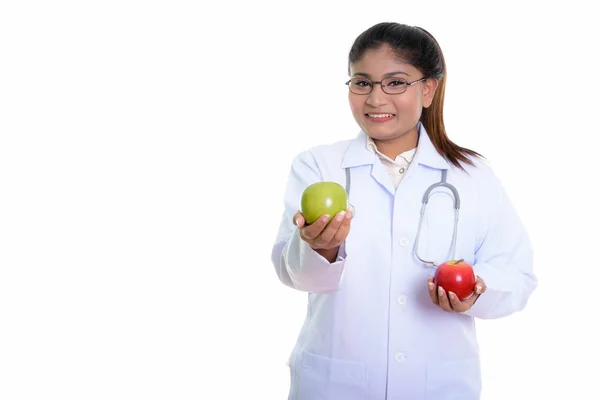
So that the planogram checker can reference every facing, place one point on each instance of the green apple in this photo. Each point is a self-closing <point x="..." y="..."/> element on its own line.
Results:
<point x="323" y="198"/>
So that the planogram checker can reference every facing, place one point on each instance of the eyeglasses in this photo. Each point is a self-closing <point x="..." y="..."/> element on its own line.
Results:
<point x="392" y="85"/>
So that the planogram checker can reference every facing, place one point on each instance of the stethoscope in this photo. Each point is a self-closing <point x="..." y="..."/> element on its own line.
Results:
<point x="441" y="183"/>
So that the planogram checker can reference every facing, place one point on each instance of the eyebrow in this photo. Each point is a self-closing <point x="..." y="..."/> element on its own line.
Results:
<point x="385" y="76"/>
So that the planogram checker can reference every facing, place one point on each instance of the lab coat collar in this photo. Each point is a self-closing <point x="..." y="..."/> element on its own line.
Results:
<point x="357" y="153"/>
<point x="426" y="153"/>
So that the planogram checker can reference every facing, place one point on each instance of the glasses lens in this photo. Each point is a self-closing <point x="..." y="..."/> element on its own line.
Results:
<point x="360" y="85"/>
<point x="394" y="85"/>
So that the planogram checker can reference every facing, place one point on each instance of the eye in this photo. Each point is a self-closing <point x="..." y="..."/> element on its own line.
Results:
<point x="361" y="82"/>
<point x="396" y="82"/>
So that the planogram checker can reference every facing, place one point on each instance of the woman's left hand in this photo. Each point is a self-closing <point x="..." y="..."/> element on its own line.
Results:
<point x="449" y="301"/>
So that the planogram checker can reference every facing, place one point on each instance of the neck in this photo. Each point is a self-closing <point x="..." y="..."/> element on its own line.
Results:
<point x="398" y="145"/>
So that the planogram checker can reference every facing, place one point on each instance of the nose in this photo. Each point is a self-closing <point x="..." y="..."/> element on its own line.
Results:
<point x="377" y="97"/>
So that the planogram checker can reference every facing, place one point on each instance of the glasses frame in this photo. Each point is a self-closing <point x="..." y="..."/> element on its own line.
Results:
<point x="373" y="83"/>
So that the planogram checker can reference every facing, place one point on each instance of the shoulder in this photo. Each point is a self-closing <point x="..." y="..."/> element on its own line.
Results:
<point x="330" y="150"/>
<point x="484" y="186"/>
<point x="322" y="162"/>
<point x="328" y="153"/>
<point x="479" y="178"/>
<point x="479" y="170"/>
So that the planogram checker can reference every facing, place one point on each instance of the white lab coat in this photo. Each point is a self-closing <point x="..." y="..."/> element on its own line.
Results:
<point x="371" y="331"/>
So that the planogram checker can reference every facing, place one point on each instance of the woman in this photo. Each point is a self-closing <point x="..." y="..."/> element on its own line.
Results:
<point x="377" y="327"/>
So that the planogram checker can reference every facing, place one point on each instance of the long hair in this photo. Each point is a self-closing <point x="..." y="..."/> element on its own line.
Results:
<point x="419" y="48"/>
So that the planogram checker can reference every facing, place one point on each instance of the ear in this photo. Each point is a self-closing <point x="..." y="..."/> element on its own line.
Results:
<point x="429" y="89"/>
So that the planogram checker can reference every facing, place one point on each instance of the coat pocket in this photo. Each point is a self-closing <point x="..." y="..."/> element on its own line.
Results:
<point x="454" y="380"/>
<point x="322" y="378"/>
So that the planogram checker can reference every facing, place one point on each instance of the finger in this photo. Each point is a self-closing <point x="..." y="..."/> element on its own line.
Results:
<point x="298" y="219"/>
<point x="432" y="292"/>
<point x="351" y="210"/>
<point x="313" y="230"/>
<point x="480" y="286"/>
<point x="478" y="289"/>
<point x="343" y="230"/>
<point x="456" y="304"/>
<point x="443" y="299"/>
<point x="331" y="229"/>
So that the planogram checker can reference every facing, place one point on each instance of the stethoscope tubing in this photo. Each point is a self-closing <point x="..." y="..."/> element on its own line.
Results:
<point x="425" y="201"/>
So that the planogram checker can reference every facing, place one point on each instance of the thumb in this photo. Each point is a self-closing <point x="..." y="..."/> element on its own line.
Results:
<point x="298" y="219"/>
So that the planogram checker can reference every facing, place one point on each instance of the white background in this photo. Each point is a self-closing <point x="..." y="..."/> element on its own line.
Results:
<point x="140" y="195"/>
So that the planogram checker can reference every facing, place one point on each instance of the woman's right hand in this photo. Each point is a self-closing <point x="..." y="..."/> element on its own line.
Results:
<point x="322" y="236"/>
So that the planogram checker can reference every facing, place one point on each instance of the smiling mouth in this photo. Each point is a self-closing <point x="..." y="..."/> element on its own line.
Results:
<point x="380" y="115"/>
<point x="380" y="118"/>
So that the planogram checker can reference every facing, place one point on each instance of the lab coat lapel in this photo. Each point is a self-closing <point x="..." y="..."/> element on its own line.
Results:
<point x="379" y="173"/>
<point x="358" y="155"/>
<point x="426" y="153"/>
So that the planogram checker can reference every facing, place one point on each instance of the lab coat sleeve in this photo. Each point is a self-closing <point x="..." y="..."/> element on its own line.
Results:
<point x="504" y="259"/>
<point x="296" y="263"/>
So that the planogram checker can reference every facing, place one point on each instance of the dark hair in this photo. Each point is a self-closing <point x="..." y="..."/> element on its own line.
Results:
<point x="419" y="48"/>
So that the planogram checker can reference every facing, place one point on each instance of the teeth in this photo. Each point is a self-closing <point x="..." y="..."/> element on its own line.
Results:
<point x="380" y="115"/>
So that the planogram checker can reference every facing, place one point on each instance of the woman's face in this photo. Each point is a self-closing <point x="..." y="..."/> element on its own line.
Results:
<point x="383" y="116"/>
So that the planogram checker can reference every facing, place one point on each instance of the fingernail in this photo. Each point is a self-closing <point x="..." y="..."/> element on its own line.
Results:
<point x="478" y="289"/>
<point x="340" y="216"/>
<point x="349" y="214"/>
<point x="297" y="221"/>
<point x="325" y="218"/>
<point x="430" y="285"/>
<point x="452" y="295"/>
<point x="440" y="291"/>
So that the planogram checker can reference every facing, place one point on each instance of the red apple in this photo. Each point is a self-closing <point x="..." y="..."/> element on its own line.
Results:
<point x="456" y="276"/>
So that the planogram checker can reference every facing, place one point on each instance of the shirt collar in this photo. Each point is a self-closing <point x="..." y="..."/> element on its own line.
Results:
<point x="358" y="152"/>
<point x="407" y="155"/>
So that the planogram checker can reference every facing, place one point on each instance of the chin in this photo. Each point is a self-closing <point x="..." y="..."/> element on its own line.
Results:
<point x="379" y="132"/>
